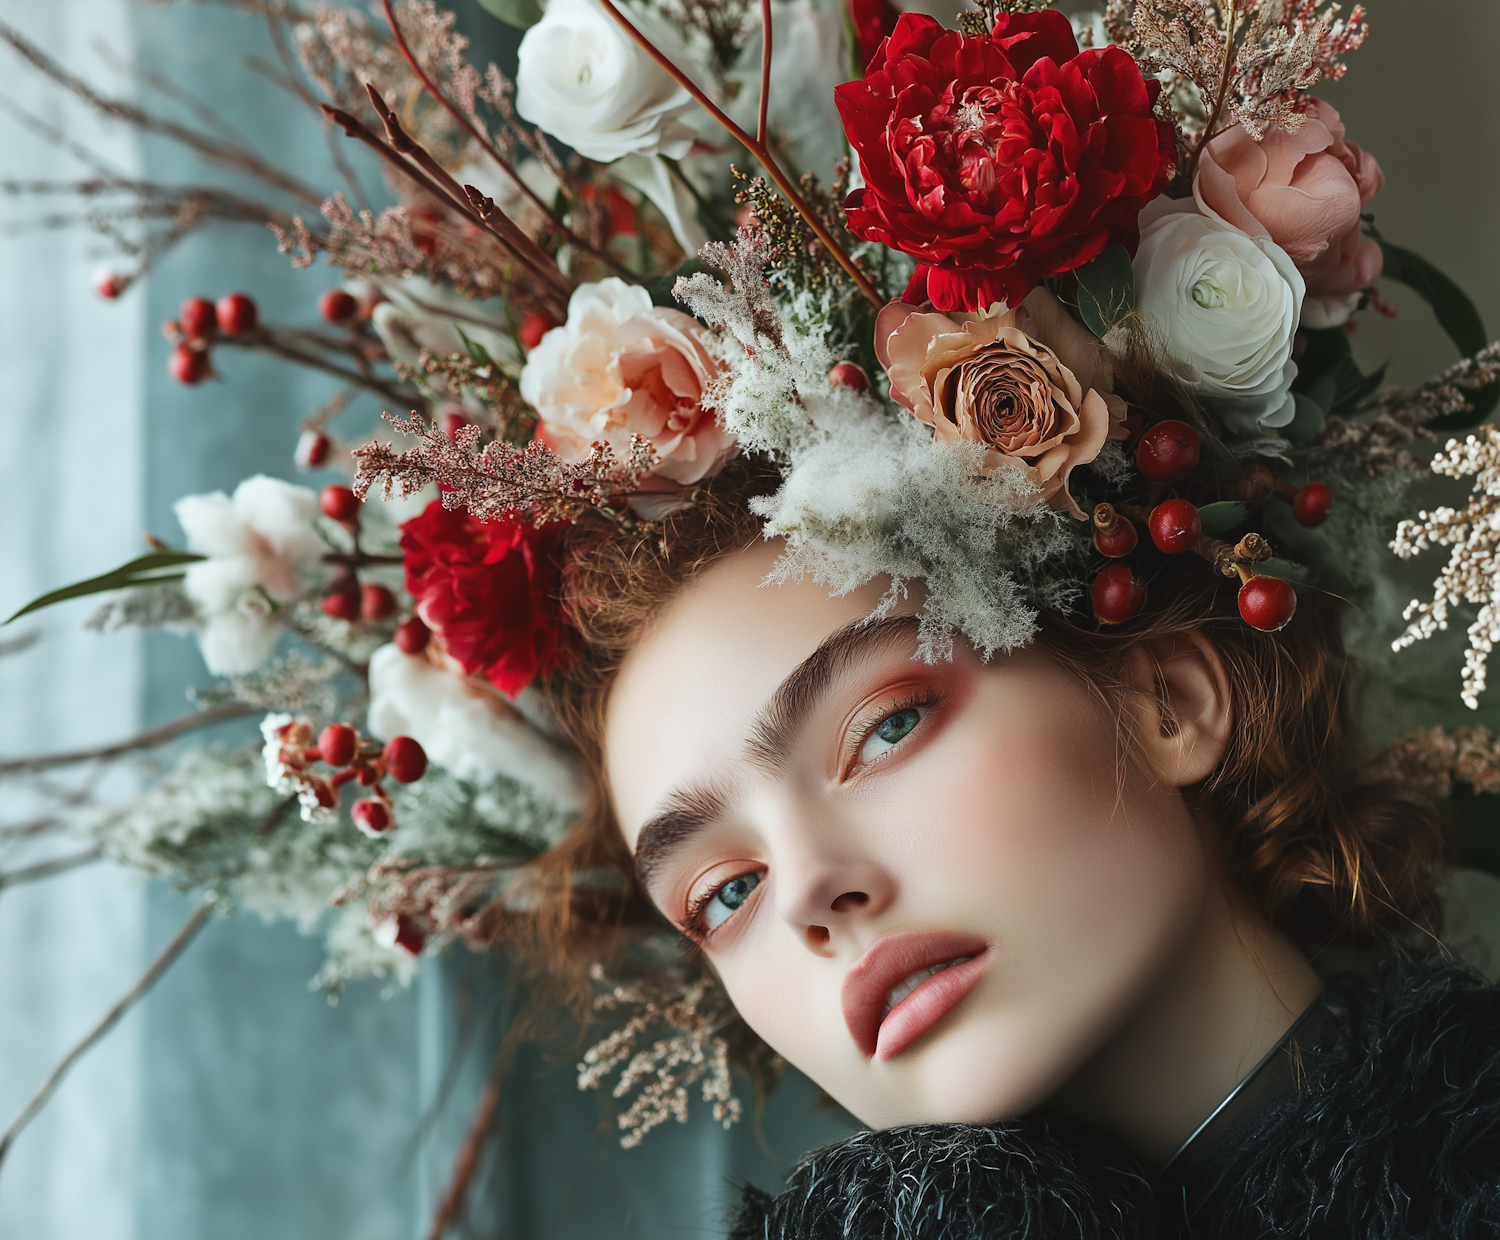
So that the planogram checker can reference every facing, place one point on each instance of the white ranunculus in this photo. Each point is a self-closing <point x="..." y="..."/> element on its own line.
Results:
<point x="258" y="543"/>
<point x="465" y="729"/>
<point x="584" y="80"/>
<point x="1224" y="307"/>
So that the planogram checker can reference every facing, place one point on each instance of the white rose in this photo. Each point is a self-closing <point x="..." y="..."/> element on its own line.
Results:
<point x="1225" y="307"/>
<point x="466" y="729"/>
<point x="621" y="366"/>
<point x="257" y="543"/>
<point x="584" y="80"/>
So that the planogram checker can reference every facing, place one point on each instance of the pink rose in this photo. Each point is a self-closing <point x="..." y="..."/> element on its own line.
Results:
<point x="990" y="379"/>
<point x="1304" y="190"/>
<point x="621" y="366"/>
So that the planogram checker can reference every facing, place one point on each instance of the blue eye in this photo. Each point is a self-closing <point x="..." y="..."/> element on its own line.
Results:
<point x="890" y="732"/>
<point x="722" y="904"/>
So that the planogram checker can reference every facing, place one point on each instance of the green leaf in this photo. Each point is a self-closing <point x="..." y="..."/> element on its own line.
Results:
<point x="1456" y="314"/>
<point x="1218" y="519"/>
<point x="476" y="350"/>
<point x="148" y="570"/>
<point x="522" y="14"/>
<point x="1106" y="289"/>
<point x="1287" y="570"/>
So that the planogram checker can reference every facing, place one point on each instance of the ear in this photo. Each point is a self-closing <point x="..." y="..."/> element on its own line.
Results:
<point x="1189" y="707"/>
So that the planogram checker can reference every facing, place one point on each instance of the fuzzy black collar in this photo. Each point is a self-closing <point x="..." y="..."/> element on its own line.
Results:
<point x="1379" y="1121"/>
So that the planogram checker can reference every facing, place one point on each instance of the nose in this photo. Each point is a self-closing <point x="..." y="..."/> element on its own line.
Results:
<point x="827" y="884"/>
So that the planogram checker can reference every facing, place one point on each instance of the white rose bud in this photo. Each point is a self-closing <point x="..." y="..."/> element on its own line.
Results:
<point x="584" y="80"/>
<point x="1224" y="307"/>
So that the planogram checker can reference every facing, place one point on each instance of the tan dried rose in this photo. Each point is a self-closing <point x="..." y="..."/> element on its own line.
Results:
<point x="1031" y="384"/>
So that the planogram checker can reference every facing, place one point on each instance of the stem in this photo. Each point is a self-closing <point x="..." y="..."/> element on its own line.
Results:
<point x="265" y="341"/>
<point x="46" y="869"/>
<point x="480" y="1127"/>
<point x="1218" y="109"/>
<point x="765" y="70"/>
<point x="111" y="1018"/>
<point x="755" y="146"/>
<point x="146" y="740"/>
<point x="489" y="147"/>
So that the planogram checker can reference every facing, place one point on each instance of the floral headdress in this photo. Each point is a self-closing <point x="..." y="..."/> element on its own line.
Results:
<point x="942" y="354"/>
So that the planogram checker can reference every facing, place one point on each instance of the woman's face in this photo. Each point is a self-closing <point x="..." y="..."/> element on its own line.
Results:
<point x="930" y="887"/>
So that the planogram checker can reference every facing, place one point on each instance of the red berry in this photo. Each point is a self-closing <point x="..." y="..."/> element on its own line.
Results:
<point x="327" y="794"/>
<point x="404" y="759"/>
<point x="198" y="318"/>
<point x="237" y="314"/>
<point x="377" y="602"/>
<point x="337" y="306"/>
<point x="1117" y="594"/>
<point x="848" y="375"/>
<point x="371" y="816"/>
<point x="412" y="636"/>
<point x="337" y="743"/>
<point x="343" y="603"/>
<point x="340" y="503"/>
<point x="408" y="935"/>
<point x="188" y="365"/>
<point x="1119" y="541"/>
<point x="1175" y="526"/>
<point x="453" y="421"/>
<point x="1314" y="504"/>
<point x="1267" y="603"/>
<point x="534" y="325"/>
<point x="1168" y="451"/>
<point x="312" y="449"/>
<point x="109" y="284"/>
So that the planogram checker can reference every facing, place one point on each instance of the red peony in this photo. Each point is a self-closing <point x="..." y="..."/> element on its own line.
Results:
<point x="1000" y="160"/>
<point x="490" y="590"/>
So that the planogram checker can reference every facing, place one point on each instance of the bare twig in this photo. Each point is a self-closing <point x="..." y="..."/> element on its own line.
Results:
<point x="212" y="149"/>
<point x="277" y="343"/>
<point x="756" y="146"/>
<point x="765" y="70"/>
<point x="146" y="740"/>
<point x="489" y="147"/>
<point x="111" y="1018"/>
<point x="46" y="869"/>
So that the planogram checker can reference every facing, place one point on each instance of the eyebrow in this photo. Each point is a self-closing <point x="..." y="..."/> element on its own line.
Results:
<point x="689" y="810"/>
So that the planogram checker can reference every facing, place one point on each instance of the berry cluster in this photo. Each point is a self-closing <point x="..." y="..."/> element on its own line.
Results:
<point x="355" y="759"/>
<point x="346" y="598"/>
<point x="1166" y="454"/>
<point x="198" y="324"/>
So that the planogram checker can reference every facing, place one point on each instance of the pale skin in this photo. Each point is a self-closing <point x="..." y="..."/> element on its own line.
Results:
<point x="809" y="801"/>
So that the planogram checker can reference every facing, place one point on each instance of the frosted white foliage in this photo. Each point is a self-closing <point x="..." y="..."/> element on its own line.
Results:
<point x="354" y="952"/>
<point x="1471" y="573"/>
<point x="866" y="492"/>
<point x="471" y="733"/>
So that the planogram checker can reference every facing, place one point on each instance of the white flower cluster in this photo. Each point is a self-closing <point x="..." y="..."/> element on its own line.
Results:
<point x="866" y="494"/>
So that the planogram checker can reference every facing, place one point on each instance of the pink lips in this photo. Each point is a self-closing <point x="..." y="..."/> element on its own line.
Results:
<point x="886" y="962"/>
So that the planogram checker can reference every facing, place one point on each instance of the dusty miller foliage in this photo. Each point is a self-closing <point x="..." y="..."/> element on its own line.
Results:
<point x="866" y="491"/>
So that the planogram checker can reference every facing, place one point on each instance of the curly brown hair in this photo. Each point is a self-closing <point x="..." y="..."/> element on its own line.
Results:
<point x="1325" y="853"/>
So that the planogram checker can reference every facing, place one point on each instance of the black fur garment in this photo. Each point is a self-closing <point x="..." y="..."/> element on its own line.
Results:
<point x="1386" y="1127"/>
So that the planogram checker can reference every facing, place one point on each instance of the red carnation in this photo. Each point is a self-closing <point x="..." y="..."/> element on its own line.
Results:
<point x="1000" y="160"/>
<point x="491" y="590"/>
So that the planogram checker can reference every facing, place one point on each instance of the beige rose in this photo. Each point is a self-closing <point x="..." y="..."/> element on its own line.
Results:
<point x="1044" y="407"/>
<point x="621" y="366"/>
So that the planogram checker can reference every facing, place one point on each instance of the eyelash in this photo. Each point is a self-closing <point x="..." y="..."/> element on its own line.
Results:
<point x="864" y="729"/>
<point x="925" y="698"/>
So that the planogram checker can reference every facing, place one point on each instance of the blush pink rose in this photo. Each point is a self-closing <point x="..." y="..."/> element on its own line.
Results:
<point x="621" y="366"/>
<point x="1043" y="407"/>
<point x="1304" y="190"/>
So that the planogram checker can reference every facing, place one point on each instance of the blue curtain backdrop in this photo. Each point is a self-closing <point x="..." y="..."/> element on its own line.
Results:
<point x="235" y="1104"/>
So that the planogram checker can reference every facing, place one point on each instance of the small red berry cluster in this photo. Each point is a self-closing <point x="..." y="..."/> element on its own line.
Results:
<point x="198" y="324"/>
<point x="366" y="762"/>
<point x="1167" y="453"/>
<point x="346" y="598"/>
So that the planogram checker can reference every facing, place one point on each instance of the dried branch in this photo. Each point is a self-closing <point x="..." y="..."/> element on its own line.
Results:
<point x="148" y="979"/>
<point x="1432" y="760"/>
<point x="211" y="148"/>
<point x="47" y="869"/>
<point x="286" y="346"/>
<point x="146" y="740"/>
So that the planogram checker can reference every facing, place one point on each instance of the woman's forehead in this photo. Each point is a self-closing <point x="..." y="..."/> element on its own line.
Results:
<point x="688" y="696"/>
